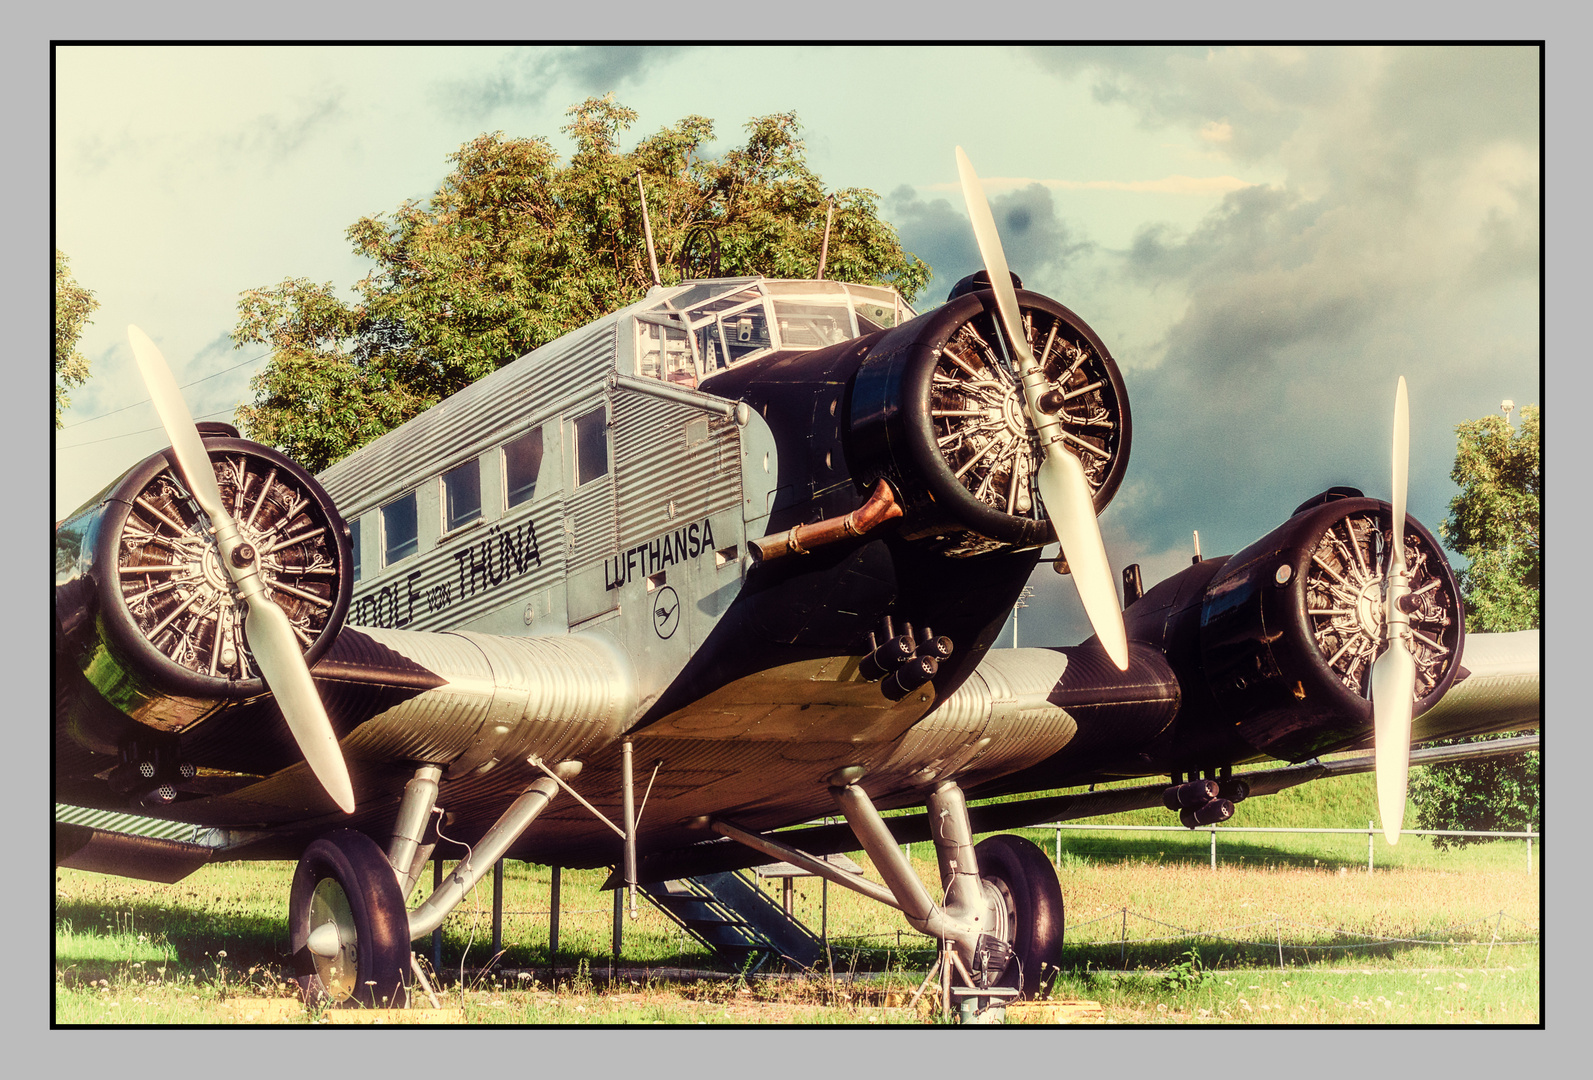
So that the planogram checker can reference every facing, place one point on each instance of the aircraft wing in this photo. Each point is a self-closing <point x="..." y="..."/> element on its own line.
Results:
<point x="394" y="697"/>
<point x="1496" y="690"/>
<point x="721" y="855"/>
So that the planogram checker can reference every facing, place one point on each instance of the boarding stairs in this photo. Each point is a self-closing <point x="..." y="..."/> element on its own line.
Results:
<point x="730" y="914"/>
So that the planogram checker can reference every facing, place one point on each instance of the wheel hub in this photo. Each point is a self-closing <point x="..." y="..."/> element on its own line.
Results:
<point x="334" y="943"/>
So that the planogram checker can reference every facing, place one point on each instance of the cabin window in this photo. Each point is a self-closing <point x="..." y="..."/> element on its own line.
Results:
<point x="875" y="308"/>
<point x="354" y="545"/>
<point x="813" y="323"/>
<point x="400" y="537"/>
<point x="710" y="348"/>
<point x="522" y="465"/>
<point x="591" y="446"/>
<point x="665" y="353"/>
<point x="746" y="332"/>
<point x="461" y="495"/>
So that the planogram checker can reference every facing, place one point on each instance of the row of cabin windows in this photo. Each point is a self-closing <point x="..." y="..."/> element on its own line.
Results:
<point x="461" y="504"/>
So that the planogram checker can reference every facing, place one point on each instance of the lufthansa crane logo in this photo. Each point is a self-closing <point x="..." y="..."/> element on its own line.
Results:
<point x="666" y="612"/>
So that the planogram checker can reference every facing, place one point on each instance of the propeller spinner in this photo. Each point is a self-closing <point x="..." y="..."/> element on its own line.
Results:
<point x="1063" y="486"/>
<point x="1394" y="671"/>
<point x="267" y="629"/>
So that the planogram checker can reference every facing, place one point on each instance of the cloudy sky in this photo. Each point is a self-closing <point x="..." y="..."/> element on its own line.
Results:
<point x="1264" y="237"/>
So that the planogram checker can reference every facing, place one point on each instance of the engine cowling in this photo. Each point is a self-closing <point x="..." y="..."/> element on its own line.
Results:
<point x="936" y="410"/>
<point x="144" y="610"/>
<point x="1289" y="627"/>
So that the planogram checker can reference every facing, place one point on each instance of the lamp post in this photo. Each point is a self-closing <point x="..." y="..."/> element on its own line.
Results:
<point x="1023" y="602"/>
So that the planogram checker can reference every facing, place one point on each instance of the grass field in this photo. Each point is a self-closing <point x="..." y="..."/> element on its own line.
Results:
<point x="1153" y="935"/>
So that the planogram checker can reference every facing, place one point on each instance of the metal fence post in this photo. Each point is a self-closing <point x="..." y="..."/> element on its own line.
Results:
<point x="553" y="921"/>
<point x="497" y="907"/>
<point x="436" y="935"/>
<point x="1122" y="951"/>
<point x="619" y="930"/>
<point x="1059" y="848"/>
<point x="1214" y="847"/>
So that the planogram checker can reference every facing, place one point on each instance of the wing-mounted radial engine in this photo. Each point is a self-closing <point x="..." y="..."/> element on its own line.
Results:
<point x="1274" y="648"/>
<point x="938" y="410"/>
<point x="150" y="630"/>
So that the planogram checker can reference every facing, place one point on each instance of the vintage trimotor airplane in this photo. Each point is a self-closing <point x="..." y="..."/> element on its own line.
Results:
<point x="757" y="536"/>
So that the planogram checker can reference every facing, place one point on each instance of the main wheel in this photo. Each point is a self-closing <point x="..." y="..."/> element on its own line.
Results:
<point x="1026" y="900"/>
<point x="348" y="926"/>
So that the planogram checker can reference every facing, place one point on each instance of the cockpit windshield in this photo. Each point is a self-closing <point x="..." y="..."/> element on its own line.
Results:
<point x="707" y="326"/>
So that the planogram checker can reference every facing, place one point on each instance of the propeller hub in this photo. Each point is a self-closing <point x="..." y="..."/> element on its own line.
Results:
<point x="1012" y="414"/>
<point x="1369" y="610"/>
<point x="215" y="575"/>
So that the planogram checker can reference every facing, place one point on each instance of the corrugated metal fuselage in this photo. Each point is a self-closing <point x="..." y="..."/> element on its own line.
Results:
<point x="743" y="683"/>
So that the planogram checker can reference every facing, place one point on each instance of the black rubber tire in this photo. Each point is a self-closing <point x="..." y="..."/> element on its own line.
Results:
<point x="355" y="865"/>
<point x="1026" y="875"/>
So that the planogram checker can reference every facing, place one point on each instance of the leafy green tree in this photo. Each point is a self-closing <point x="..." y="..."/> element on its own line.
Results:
<point x="1496" y="523"/>
<point x="73" y="305"/>
<point x="514" y="250"/>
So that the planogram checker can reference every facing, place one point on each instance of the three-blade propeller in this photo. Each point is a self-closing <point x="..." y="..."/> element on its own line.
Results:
<point x="1394" y="671"/>
<point x="1063" y="486"/>
<point x="270" y="635"/>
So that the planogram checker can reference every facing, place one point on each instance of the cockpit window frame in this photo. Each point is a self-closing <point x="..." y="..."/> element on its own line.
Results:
<point x="707" y="305"/>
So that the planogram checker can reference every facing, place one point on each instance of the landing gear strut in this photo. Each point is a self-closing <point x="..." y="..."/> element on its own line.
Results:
<point x="1000" y="918"/>
<point x="347" y="924"/>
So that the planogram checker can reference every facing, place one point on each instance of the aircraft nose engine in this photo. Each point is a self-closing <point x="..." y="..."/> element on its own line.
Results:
<point x="937" y="410"/>
<point x="146" y="611"/>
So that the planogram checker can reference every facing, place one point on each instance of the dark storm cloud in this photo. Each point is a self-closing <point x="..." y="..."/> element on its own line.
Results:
<point x="1409" y="210"/>
<point x="1039" y="245"/>
<point x="1430" y="100"/>
<point x="1262" y="93"/>
<point x="526" y="76"/>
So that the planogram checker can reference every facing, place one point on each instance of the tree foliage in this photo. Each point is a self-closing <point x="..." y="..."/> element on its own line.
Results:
<point x="515" y="249"/>
<point x="1494" y="795"/>
<point x="73" y="305"/>
<point x="1496" y="523"/>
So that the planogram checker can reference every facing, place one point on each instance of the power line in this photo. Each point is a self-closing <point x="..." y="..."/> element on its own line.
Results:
<point x="184" y="386"/>
<point x="145" y="431"/>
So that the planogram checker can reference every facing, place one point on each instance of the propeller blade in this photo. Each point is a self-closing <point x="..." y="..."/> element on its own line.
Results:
<point x="270" y="635"/>
<point x="1066" y="493"/>
<point x="1394" y="671"/>
<point x="276" y="651"/>
<point x="192" y="459"/>
<point x="1063" y="486"/>
<point x="994" y="258"/>
<point x="1393" y="687"/>
<point x="1401" y="466"/>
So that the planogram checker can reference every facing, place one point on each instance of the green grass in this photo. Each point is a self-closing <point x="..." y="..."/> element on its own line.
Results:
<point x="1335" y="802"/>
<point x="213" y="947"/>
